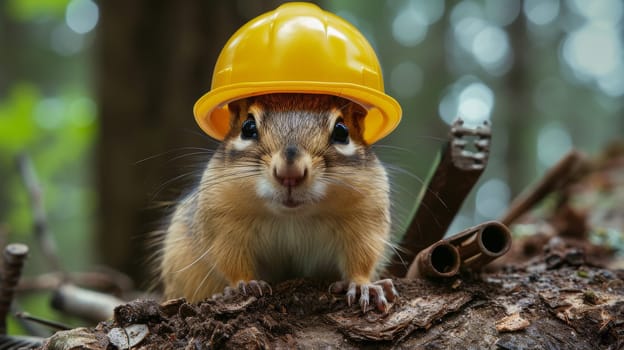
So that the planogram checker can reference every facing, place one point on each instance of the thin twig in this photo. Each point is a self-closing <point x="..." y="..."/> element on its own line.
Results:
<point x="41" y="230"/>
<point x="48" y="323"/>
<point x="109" y="281"/>
<point x="556" y="177"/>
<point x="29" y="328"/>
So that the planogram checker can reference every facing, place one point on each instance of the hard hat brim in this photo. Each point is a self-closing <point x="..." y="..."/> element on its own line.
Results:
<point x="384" y="113"/>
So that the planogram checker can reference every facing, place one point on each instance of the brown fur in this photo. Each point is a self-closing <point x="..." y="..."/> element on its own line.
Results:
<point x="233" y="228"/>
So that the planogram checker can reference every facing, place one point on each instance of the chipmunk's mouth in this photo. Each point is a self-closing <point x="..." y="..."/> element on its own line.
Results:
<point x="290" y="198"/>
<point x="291" y="203"/>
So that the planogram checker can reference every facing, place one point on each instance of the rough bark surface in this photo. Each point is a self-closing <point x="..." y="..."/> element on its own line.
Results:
<point x="564" y="308"/>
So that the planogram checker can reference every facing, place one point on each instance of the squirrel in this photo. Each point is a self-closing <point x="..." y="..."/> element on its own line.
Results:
<point x="292" y="191"/>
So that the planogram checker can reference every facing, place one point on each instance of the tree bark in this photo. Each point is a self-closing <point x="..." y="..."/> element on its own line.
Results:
<point x="154" y="59"/>
<point x="555" y="309"/>
<point x="518" y="114"/>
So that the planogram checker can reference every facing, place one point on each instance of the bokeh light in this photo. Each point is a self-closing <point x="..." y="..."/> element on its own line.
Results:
<point x="491" y="49"/>
<point x="466" y="30"/>
<point x="483" y="40"/>
<point x="613" y="84"/>
<point x="593" y="50"/>
<point x="82" y="16"/>
<point x="49" y="113"/>
<point x="541" y="12"/>
<point x="469" y="99"/>
<point x="605" y="10"/>
<point x="409" y="28"/>
<point x="475" y="103"/>
<point x="413" y="18"/>
<point x="465" y="9"/>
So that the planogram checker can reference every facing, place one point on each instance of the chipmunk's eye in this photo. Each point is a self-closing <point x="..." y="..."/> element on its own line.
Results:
<point x="340" y="133"/>
<point x="249" y="130"/>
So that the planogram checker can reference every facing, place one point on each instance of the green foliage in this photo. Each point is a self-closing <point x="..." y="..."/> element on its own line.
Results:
<point x="17" y="128"/>
<point x="57" y="132"/>
<point x="26" y="10"/>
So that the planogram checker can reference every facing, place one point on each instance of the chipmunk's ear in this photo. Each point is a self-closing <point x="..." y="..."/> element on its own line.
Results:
<point x="355" y="115"/>
<point x="238" y="110"/>
<point x="236" y="107"/>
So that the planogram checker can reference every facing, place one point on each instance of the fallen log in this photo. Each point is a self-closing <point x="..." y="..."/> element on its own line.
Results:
<point x="571" y="307"/>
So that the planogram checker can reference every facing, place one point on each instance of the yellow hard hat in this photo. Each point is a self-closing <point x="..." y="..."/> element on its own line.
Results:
<point x="298" y="48"/>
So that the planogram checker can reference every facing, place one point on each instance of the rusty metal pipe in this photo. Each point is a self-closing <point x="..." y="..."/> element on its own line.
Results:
<point x="440" y="259"/>
<point x="469" y="249"/>
<point x="491" y="239"/>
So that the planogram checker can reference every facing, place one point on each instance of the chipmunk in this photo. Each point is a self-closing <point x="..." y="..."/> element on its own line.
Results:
<point x="293" y="191"/>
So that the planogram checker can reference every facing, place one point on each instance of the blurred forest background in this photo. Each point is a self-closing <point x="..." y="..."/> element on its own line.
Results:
<point x="99" y="95"/>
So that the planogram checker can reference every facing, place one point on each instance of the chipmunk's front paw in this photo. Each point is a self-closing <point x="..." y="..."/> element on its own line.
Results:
<point x="251" y="287"/>
<point x="380" y="292"/>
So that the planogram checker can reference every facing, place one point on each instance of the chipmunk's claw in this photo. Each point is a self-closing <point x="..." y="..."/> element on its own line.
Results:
<point x="255" y="288"/>
<point x="388" y="289"/>
<point x="382" y="293"/>
<point x="259" y="288"/>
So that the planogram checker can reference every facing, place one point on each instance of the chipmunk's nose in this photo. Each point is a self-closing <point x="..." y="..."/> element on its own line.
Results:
<point x="292" y="171"/>
<point x="290" y="175"/>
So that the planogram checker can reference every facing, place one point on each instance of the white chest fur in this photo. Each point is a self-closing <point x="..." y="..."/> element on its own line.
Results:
<point x="290" y="247"/>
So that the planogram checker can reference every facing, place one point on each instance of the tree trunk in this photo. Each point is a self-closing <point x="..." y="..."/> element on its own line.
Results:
<point x="518" y="114"/>
<point x="154" y="59"/>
